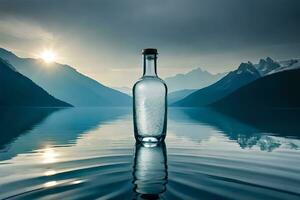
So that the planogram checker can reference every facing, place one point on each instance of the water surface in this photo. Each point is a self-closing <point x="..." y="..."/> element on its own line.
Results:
<point x="90" y="153"/>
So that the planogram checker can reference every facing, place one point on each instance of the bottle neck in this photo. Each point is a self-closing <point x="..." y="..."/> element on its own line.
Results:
<point x="149" y="61"/>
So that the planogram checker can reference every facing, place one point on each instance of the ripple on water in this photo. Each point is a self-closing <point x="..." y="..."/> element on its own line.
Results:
<point x="102" y="164"/>
<point x="189" y="176"/>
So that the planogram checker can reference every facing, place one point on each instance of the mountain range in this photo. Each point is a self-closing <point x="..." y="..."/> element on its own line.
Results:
<point x="65" y="83"/>
<point x="181" y="85"/>
<point x="232" y="81"/>
<point x="32" y="82"/>
<point x="195" y="79"/>
<point x="277" y="90"/>
<point x="265" y="66"/>
<point x="245" y="74"/>
<point x="17" y="90"/>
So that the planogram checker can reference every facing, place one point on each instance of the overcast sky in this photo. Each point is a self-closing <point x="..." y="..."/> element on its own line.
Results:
<point x="103" y="38"/>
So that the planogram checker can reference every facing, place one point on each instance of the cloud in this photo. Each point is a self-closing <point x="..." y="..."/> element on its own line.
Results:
<point x="23" y="29"/>
<point x="191" y="25"/>
<point x="100" y="36"/>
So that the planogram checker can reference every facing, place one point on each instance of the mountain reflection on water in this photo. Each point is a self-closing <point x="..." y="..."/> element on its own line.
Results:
<point x="89" y="153"/>
<point x="63" y="128"/>
<point x="16" y="121"/>
<point x="267" y="130"/>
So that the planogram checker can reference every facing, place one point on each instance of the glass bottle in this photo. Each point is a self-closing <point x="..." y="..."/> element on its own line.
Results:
<point x="150" y="175"/>
<point x="150" y="102"/>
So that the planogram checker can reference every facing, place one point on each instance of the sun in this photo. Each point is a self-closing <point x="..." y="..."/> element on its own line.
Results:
<point x="48" y="56"/>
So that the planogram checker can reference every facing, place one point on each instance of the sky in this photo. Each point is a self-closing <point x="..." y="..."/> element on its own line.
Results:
<point x="103" y="38"/>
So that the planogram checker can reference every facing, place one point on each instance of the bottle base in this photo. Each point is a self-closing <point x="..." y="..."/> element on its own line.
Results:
<point x="150" y="139"/>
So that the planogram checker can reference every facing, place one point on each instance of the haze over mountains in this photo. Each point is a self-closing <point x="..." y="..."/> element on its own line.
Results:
<point x="58" y="85"/>
<point x="178" y="95"/>
<point x="195" y="79"/>
<point x="245" y="74"/>
<point x="65" y="83"/>
<point x="181" y="85"/>
<point x="17" y="90"/>
<point x="232" y="81"/>
<point x="125" y="90"/>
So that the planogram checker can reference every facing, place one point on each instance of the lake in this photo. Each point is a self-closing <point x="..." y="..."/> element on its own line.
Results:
<point x="90" y="153"/>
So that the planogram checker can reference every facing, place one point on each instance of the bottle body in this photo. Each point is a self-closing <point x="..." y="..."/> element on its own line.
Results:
<point x="150" y="105"/>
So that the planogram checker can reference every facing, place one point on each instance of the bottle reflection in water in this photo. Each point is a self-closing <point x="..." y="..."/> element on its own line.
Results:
<point x="150" y="170"/>
<point x="150" y="102"/>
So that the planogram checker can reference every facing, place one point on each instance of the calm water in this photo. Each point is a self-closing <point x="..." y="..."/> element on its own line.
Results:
<point x="82" y="153"/>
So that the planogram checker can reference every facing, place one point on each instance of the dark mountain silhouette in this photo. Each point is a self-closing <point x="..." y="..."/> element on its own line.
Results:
<point x="195" y="79"/>
<point x="18" y="91"/>
<point x="278" y="90"/>
<point x="65" y="83"/>
<point x="245" y="74"/>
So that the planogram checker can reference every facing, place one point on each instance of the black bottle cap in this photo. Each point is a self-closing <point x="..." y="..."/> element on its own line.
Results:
<point x="149" y="51"/>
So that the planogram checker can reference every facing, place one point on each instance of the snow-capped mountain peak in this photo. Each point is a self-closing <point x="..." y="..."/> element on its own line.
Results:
<point x="247" y="68"/>
<point x="287" y="65"/>
<point x="269" y="66"/>
<point x="266" y="65"/>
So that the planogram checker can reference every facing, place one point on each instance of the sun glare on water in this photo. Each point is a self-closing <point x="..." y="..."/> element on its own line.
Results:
<point x="48" y="56"/>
